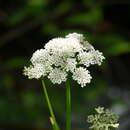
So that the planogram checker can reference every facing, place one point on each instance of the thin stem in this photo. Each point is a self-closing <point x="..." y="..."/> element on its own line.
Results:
<point x="52" y="118"/>
<point x="68" y="106"/>
<point x="106" y="128"/>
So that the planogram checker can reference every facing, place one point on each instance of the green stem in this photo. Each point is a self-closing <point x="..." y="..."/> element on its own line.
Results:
<point x="52" y="118"/>
<point x="106" y="128"/>
<point x="68" y="106"/>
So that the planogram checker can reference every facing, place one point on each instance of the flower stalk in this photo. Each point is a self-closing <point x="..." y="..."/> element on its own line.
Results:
<point x="68" y="106"/>
<point x="53" y="119"/>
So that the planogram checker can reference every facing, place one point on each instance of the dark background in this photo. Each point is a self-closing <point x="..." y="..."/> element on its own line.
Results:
<point x="26" y="25"/>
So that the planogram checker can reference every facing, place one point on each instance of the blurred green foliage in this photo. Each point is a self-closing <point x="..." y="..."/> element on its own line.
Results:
<point x="92" y="17"/>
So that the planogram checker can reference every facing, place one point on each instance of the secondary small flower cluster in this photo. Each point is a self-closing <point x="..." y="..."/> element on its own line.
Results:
<point x="61" y="56"/>
<point x="103" y="119"/>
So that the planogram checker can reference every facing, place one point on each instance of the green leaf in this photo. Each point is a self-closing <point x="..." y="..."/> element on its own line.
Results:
<point x="19" y="16"/>
<point x="115" y="44"/>
<point x="92" y="17"/>
<point x="32" y="8"/>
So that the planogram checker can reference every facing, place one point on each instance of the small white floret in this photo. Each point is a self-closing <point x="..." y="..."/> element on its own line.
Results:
<point x="70" y="64"/>
<point x="82" y="76"/>
<point x="35" y="72"/>
<point x="39" y="57"/>
<point x="57" y="76"/>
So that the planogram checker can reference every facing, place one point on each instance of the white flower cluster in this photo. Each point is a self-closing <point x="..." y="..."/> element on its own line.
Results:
<point x="61" y="56"/>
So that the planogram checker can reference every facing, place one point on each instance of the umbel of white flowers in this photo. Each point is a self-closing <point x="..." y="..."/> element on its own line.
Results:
<point x="104" y="119"/>
<point x="61" y="56"/>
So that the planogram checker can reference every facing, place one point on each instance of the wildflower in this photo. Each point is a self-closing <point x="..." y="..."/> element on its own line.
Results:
<point x="36" y="71"/>
<point x="62" y="56"/>
<point x="82" y="76"/>
<point x="57" y="76"/>
<point x="103" y="119"/>
<point x="70" y="64"/>
<point x="39" y="57"/>
<point x="86" y="58"/>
